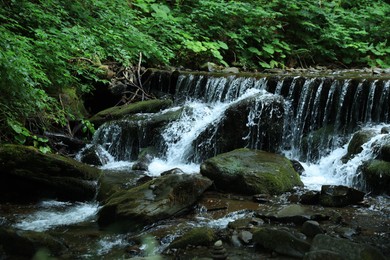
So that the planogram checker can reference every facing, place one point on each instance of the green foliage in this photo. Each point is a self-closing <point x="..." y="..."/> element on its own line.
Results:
<point x="46" y="46"/>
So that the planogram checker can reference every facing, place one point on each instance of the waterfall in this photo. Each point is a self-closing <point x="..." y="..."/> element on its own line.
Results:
<point x="309" y="119"/>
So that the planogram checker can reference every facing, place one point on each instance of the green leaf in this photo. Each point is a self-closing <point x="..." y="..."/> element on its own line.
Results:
<point x="269" y="48"/>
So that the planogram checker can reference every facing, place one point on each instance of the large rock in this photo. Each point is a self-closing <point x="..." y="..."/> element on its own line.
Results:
<point x="264" y="130"/>
<point x="247" y="171"/>
<point x="293" y="213"/>
<point x="28" y="175"/>
<point x="158" y="199"/>
<point x="339" y="196"/>
<point x="376" y="176"/>
<point x="281" y="241"/>
<point x="125" y="138"/>
<point x="346" y="249"/>
<point x="117" y="112"/>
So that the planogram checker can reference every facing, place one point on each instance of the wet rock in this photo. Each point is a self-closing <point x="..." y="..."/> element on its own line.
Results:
<point x="28" y="175"/>
<point x="358" y="139"/>
<point x="172" y="195"/>
<point x="346" y="249"/>
<point x="346" y="232"/>
<point x="172" y="171"/>
<point x="247" y="171"/>
<point x="117" y="112"/>
<point x="281" y="241"/>
<point x="262" y="198"/>
<point x="310" y="198"/>
<point x="376" y="176"/>
<point x="93" y="155"/>
<point x="64" y="144"/>
<point x="218" y="251"/>
<point x="383" y="145"/>
<point x="298" y="166"/>
<point x="243" y="223"/>
<point x="339" y="196"/>
<point x="235" y="241"/>
<point x="289" y="214"/>
<point x="143" y="163"/>
<point x="133" y="136"/>
<point x="322" y="255"/>
<point x="16" y="243"/>
<point x="245" y="236"/>
<point x="264" y="133"/>
<point x="114" y="181"/>
<point x="311" y="228"/>
<point x="385" y="130"/>
<point x="202" y="236"/>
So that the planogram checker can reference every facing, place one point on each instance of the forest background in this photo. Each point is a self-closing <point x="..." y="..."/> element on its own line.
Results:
<point x="48" y="47"/>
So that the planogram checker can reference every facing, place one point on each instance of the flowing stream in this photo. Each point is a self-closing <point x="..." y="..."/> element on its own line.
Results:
<point x="319" y="116"/>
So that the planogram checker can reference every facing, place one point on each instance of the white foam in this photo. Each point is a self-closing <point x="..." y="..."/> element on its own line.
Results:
<point x="50" y="216"/>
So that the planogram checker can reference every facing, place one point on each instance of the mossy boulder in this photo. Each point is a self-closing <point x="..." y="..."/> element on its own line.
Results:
<point x="18" y="244"/>
<point x="73" y="103"/>
<point x="117" y="112"/>
<point x="202" y="236"/>
<point x="356" y="142"/>
<point x="376" y="176"/>
<point x="281" y="241"/>
<point x="155" y="200"/>
<point x="28" y="175"/>
<point x="247" y="171"/>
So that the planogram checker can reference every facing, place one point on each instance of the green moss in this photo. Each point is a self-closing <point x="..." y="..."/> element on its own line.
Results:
<point x="249" y="171"/>
<point x="202" y="236"/>
<point x="376" y="174"/>
<point x="72" y="103"/>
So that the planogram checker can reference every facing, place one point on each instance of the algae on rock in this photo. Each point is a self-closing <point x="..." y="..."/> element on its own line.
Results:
<point x="247" y="171"/>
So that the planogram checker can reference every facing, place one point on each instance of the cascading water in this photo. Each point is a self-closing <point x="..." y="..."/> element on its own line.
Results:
<point x="309" y="119"/>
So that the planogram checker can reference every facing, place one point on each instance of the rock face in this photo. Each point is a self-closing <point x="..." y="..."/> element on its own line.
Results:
<point x="263" y="131"/>
<point x="281" y="241"/>
<point x="158" y="199"/>
<point x="346" y="249"/>
<point x="247" y="171"/>
<point x="28" y="175"/>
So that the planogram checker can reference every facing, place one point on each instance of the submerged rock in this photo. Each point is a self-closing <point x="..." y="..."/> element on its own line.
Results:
<point x="346" y="249"/>
<point x="28" y="175"/>
<point x="155" y="200"/>
<point x="339" y="196"/>
<point x="247" y="171"/>
<point x="281" y="241"/>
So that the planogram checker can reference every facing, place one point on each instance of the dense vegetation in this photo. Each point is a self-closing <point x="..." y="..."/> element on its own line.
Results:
<point x="47" y="46"/>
